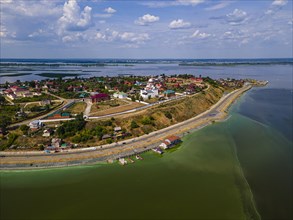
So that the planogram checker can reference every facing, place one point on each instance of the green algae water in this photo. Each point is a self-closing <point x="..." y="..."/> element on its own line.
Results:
<point x="237" y="169"/>
<point x="201" y="179"/>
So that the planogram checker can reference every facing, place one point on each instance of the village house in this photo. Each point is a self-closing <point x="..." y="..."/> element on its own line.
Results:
<point x="169" y="93"/>
<point x="197" y="80"/>
<point x="46" y="102"/>
<point x="170" y="142"/>
<point x="35" y="125"/>
<point x="127" y="83"/>
<point x="117" y="129"/>
<point x="47" y="132"/>
<point x="100" y="97"/>
<point x="56" y="142"/>
<point x="15" y="92"/>
<point x="58" y="115"/>
<point x="106" y="136"/>
<point x="120" y="95"/>
<point x="2" y="91"/>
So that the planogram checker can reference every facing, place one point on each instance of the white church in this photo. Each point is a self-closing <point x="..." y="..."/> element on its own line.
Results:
<point x="150" y="90"/>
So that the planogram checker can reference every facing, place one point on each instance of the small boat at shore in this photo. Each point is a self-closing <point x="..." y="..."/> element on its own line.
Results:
<point x="122" y="161"/>
<point x="157" y="150"/>
<point x="138" y="157"/>
<point x="130" y="160"/>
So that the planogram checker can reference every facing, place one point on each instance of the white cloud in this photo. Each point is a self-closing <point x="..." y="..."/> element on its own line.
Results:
<point x="3" y="31"/>
<point x="236" y="17"/>
<point x="40" y="8"/>
<point x="129" y="37"/>
<point x="280" y="2"/>
<point x="147" y="19"/>
<point x="74" y="37"/>
<point x="161" y="4"/>
<point x="179" y="24"/>
<point x="73" y="18"/>
<point x="219" y="6"/>
<point x="276" y="6"/>
<point x="241" y="37"/>
<point x="200" y="35"/>
<point x="102" y="15"/>
<point x="190" y="2"/>
<point x="269" y="12"/>
<point x="110" y="10"/>
<point x="5" y="1"/>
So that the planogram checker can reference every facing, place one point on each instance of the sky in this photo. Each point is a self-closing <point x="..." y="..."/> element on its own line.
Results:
<point x="140" y="29"/>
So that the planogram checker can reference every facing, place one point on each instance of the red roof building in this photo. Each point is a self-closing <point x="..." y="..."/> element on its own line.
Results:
<point x="100" y="97"/>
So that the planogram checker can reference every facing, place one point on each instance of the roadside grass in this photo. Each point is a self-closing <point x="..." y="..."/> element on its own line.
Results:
<point x="105" y="110"/>
<point x="77" y="108"/>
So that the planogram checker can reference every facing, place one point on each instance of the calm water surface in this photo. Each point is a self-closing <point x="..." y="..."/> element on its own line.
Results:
<point x="201" y="179"/>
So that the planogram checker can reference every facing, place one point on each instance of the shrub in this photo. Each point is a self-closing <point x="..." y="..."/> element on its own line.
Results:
<point x="70" y="128"/>
<point x="146" y="120"/>
<point x="133" y="125"/>
<point x="168" y="115"/>
<point x="24" y="129"/>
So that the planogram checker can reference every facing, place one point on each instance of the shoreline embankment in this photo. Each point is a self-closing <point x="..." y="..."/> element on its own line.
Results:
<point x="22" y="161"/>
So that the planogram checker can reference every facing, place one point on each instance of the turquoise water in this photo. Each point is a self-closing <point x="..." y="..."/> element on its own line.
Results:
<point x="201" y="179"/>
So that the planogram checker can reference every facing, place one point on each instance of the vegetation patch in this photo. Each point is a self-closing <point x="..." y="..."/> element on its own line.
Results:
<point x="59" y="75"/>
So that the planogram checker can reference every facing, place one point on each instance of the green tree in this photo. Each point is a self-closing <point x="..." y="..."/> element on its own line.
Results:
<point x="4" y="122"/>
<point x="133" y="124"/>
<point x="168" y="115"/>
<point x="2" y="100"/>
<point x="147" y="120"/>
<point x="24" y="129"/>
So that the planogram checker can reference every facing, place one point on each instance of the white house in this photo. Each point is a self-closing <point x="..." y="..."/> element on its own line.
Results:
<point x="35" y="125"/>
<point x="120" y="95"/>
<point x="152" y="93"/>
<point x="170" y="142"/>
<point x="47" y="132"/>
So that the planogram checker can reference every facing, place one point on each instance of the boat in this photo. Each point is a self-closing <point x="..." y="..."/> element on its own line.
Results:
<point x="157" y="150"/>
<point x="138" y="157"/>
<point x="122" y="161"/>
<point x="130" y="160"/>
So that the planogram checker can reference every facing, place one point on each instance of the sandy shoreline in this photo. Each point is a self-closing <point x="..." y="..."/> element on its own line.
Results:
<point x="218" y="112"/>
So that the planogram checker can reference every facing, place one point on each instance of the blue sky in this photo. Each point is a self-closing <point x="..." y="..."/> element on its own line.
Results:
<point x="146" y="29"/>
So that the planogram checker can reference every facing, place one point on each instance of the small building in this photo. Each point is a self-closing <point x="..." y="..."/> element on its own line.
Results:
<point x="170" y="141"/>
<point x="120" y="95"/>
<point x="106" y="136"/>
<point x="169" y="93"/>
<point x="100" y="97"/>
<point x="56" y="142"/>
<point x="47" y="132"/>
<point x="46" y="102"/>
<point x="2" y="91"/>
<point x="117" y="129"/>
<point x="151" y="93"/>
<point x="11" y="96"/>
<point x="59" y="115"/>
<point x="197" y="80"/>
<point x="35" y="125"/>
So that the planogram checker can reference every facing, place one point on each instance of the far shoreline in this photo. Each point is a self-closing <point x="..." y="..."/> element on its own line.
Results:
<point x="43" y="161"/>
